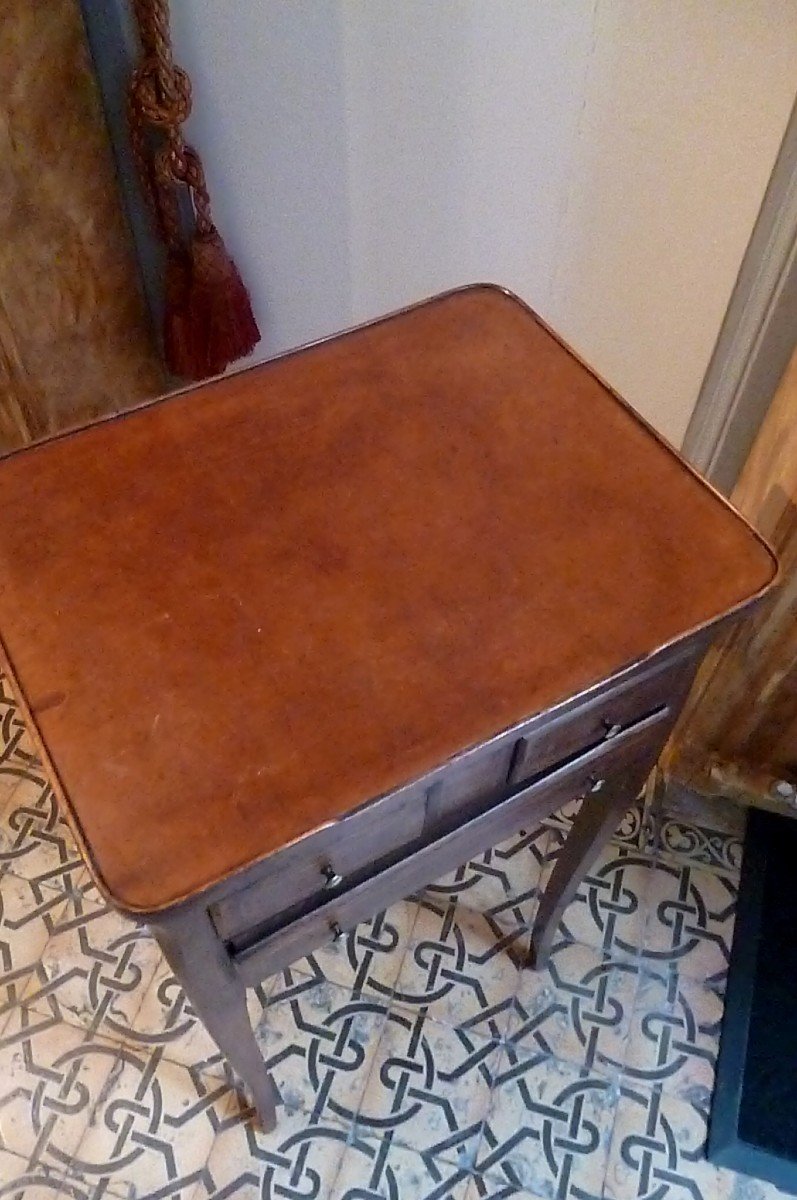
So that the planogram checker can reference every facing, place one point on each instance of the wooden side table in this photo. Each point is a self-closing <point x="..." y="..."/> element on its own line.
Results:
<point x="299" y="641"/>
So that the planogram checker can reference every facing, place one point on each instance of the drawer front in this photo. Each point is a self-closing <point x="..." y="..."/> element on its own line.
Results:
<point x="323" y="862"/>
<point x="633" y="752"/>
<point x="301" y="876"/>
<point x="320" y="863"/>
<point x="603" y="719"/>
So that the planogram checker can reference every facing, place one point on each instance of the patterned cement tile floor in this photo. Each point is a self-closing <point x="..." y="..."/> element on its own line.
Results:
<point x="417" y="1062"/>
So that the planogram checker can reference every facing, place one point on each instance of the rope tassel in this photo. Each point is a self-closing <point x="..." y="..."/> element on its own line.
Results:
<point x="176" y="337"/>
<point x="208" y="318"/>
<point x="220" y="315"/>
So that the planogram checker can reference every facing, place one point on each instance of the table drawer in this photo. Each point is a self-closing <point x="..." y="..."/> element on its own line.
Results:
<point x="300" y="876"/>
<point x="323" y="861"/>
<point x="603" y="719"/>
<point x="271" y="948"/>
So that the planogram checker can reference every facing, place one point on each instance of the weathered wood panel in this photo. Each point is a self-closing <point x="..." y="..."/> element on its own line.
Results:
<point x="739" y="731"/>
<point x="74" y="339"/>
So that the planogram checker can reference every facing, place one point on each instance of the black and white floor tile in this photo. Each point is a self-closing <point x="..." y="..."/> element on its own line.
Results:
<point x="578" y="1008"/>
<point x="417" y="1060"/>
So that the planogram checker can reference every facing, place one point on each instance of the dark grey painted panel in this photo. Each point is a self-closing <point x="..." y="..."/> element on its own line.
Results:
<point x="113" y="45"/>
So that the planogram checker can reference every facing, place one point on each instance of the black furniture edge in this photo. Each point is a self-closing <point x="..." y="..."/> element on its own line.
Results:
<point x="726" y="1147"/>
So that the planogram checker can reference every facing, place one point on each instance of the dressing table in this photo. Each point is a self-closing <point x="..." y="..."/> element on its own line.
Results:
<point x="299" y="641"/>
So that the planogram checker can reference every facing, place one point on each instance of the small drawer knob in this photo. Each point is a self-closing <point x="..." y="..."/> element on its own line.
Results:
<point x="594" y="784"/>
<point x="338" y="934"/>
<point x="331" y="877"/>
<point x="611" y="729"/>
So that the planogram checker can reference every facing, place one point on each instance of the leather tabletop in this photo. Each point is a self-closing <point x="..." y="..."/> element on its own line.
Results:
<point x="239" y="611"/>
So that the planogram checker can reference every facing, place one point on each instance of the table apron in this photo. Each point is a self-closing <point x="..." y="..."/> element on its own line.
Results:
<point x="636" y="752"/>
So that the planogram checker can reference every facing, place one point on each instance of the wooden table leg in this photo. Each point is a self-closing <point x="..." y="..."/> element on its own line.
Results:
<point x="201" y="963"/>
<point x="596" y="820"/>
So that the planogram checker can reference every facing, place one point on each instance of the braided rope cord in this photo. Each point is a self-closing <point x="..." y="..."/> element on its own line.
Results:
<point x="207" y="320"/>
<point x="159" y="99"/>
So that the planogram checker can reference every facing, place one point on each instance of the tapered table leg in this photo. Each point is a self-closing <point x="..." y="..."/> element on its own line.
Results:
<point x="600" y="814"/>
<point x="200" y="961"/>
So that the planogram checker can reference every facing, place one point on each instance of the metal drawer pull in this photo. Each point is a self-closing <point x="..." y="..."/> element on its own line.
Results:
<point x="594" y="784"/>
<point x="611" y="730"/>
<point x="338" y="934"/>
<point x="331" y="877"/>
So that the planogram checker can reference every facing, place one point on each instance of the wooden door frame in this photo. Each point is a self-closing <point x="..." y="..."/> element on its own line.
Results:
<point x="758" y="333"/>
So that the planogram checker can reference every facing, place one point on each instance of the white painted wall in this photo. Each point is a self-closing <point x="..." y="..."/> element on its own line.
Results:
<point x="268" y="120"/>
<point x="604" y="158"/>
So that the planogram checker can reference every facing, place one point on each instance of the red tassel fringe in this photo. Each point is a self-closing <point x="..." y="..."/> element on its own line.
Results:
<point x="208" y="322"/>
<point x="176" y="334"/>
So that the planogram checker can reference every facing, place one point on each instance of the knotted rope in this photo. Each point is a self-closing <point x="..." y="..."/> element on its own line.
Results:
<point x="208" y="319"/>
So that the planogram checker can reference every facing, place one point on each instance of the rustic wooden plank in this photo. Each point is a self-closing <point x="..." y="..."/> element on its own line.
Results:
<point x="738" y="731"/>
<point x="75" y="342"/>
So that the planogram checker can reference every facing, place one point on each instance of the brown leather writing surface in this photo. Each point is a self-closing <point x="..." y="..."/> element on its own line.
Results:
<point x="242" y="610"/>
